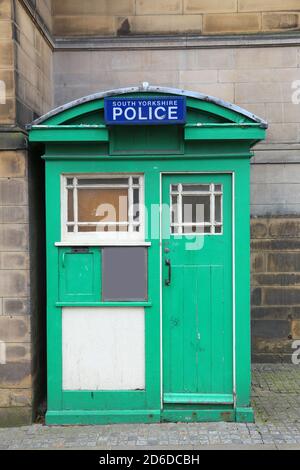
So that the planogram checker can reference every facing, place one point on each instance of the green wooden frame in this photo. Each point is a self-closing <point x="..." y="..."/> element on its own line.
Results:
<point x="222" y="146"/>
<point x="95" y="276"/>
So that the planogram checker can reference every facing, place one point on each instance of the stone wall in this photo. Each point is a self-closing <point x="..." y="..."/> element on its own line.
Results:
<point x="7" y="78"/>
<point x="26" y="71"/>
<point x="259" y="79"/>
<point x="275" y="279"/>
<point x="25" y="65"/>
<point x="15" y="372"/>
<point x="43" y="8"/>
<point x="33" y="67"/>
<point x="127" y="17"/>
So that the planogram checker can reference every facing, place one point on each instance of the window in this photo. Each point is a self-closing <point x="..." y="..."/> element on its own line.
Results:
<point x="103" y="207"/>
<point x="196" y="208"/>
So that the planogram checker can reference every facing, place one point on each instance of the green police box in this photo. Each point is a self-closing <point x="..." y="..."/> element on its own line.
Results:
<point x="148" y="257"/>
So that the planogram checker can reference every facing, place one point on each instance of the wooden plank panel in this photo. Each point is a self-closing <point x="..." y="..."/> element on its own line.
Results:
<point x="205" y="329"/>
<point x="103" y="348"/>
<point x="189" y="332"/>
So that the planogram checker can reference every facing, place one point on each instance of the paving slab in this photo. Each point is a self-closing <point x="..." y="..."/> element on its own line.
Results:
<point x="275" y="398"/>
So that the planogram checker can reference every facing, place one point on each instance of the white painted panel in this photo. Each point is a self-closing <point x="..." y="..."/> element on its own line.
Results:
<point x="103" y="348"/>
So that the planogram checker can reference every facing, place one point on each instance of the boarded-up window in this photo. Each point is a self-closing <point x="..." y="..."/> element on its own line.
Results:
<point x="104" y="204"/>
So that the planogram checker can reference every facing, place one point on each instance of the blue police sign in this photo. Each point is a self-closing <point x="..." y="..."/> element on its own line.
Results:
<point x="145" y="110"/>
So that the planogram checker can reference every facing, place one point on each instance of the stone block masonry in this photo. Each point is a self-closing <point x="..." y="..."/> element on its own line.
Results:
<point x="15" y="321"/>
<point x="26" y="71"/>
<point x="129" y="17"/>
<point x="275" y="279"/>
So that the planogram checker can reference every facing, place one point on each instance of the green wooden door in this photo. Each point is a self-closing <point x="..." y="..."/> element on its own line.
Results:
<point x="197" y="314"/>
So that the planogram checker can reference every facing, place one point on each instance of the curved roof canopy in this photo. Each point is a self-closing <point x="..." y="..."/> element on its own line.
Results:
<point x="207" y="118"/>
<point x="245" y="116"/>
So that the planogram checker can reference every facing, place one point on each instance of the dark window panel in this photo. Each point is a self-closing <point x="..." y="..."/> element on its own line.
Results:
<point x="124" y="273"/>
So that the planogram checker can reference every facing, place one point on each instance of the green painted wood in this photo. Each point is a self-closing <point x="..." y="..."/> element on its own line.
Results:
<point x="211" y="109"/>
<point x="187" y="415"/>
<point x="91" y="113"/>
<point x="198" y="398"/>
<point x="71" y="114"/>
<point x="73" y="127"/>
<point x="197" y="306"/>
<point x="104" y="400"/>
<point x="152" y="318"/>
<point x="227" y="132"/>
<point x="143" y="140"/>
<point x="222" y="125"/>
<point x="68" y="134"/>
<point x="147" y="139"/>
<point x="244" y="415"/>
<point x="79" y="275"/>
<point x="206" y="277"/>
<point x="54" y="323"/>
<point x="102" y="417"/>
<point x="152" y="171"/>
<point x="154" y="157"/>
<point x="242" y="275"/>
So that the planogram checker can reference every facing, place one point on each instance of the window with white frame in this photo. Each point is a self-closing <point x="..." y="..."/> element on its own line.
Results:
<point x="103" y="207"/>
<point x="196" y="209"/>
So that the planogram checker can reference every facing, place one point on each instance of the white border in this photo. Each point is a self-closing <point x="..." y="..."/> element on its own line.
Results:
<point x="104" y="243"/>
<point x="160" y="291"/>
<point x="232" y="173"/>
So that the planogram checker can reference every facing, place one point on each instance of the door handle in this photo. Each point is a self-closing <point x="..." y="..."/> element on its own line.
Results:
<point x="63" y="259"/>
<point x="168" y="263"/>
